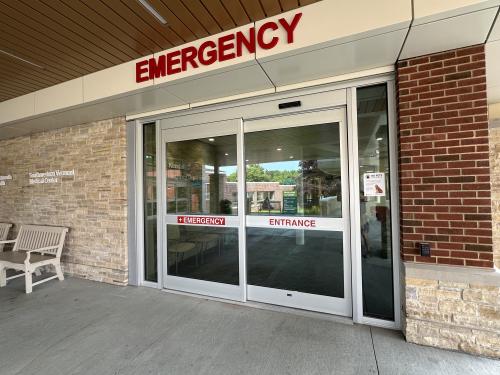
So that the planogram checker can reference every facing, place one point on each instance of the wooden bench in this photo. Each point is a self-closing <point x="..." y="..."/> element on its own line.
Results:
<point x="4" y="232"/>
<point x="35" y="246"/>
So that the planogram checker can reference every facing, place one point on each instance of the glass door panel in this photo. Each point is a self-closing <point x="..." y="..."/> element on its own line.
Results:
<point x="306" y="261"/>
<point x="201" y="176"/>
<point x="297" y="211"/>
<point x="202" y="207"/>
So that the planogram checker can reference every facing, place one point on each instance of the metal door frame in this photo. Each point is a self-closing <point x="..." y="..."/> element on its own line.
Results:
<point x="313" y="95"/>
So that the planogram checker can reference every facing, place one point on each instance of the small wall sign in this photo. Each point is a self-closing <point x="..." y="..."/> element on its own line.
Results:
<point x="374" y="184"/>
<point x="3" y="179"/>
<point x="50" y="177"/>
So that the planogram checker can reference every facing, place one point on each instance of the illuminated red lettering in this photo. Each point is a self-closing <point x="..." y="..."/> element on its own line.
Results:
<point x="226" y="47"/>
<point x="211" y="53"/>
<point x="226" y="44"/>
<point x="189" y="56"/>
<point x="242" y="40"/>
<point x="260" y="35"/>
<point x="290" y="27"/>
<point x="157" y="68"/>
<point x="172" y="60"/>
<point x="140" y="69"/>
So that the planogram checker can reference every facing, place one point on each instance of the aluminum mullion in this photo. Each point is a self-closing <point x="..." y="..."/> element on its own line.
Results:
<point x="344" y="159"/>
<point x="394" y="183"/>
<point x="162" y="188"/>
<point x="242" y="240"/>
<point x="357" y="282"/>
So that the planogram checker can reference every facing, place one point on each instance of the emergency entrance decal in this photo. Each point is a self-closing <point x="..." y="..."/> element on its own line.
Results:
<point x="201" y="220"/>
<point x="294" y="223"/>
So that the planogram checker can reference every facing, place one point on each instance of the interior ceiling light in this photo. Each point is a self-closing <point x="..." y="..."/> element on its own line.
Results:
<point x="379" y="138"/>
<point x="153" y="11"/>
<point x="211" y="139"/>
<point x="20" y="58"/>
<point x="278" y="149"/>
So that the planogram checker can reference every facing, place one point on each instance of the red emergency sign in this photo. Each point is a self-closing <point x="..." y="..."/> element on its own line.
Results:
<point x="226" y="47"/>
<point x="201" y="220"/>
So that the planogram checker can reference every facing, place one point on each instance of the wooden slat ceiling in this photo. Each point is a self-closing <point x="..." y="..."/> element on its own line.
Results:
<point x="45" y="42"/>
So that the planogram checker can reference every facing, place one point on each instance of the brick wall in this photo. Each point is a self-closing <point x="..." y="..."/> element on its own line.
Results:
<point x="93" y="204"/>
<point x="444" y="158"/>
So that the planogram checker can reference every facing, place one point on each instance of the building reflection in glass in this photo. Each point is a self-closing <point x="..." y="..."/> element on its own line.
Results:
<point x="294" y="171"/>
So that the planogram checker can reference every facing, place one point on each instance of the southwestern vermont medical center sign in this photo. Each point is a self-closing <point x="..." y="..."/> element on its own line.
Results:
<point x="223" y="48"/>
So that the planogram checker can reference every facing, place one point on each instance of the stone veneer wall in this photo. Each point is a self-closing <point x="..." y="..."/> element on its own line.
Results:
<point x="93" y="204"/>
<point x="453" y="310"/>
<point x="494" y="115"/>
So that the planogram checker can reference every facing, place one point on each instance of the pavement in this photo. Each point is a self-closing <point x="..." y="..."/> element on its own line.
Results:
<point x="83" y="327"/>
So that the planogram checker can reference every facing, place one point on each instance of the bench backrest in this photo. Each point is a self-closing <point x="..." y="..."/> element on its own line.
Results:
<point x="4" y="232"/>
<point x="33" y="237"/>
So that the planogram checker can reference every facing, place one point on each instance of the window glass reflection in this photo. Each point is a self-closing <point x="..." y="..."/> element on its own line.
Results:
<point x="294" y="171"/>
<point x="149" y="167"/>
<point x="375" y="205"/>
<point x="202" y="177"/>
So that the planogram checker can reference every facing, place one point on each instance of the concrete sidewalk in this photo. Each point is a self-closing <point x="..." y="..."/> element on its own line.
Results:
<point x="82" y="327"/>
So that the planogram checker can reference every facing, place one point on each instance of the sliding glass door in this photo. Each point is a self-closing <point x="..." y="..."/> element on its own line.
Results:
<point x="203" y="210"/>
<point x="297" y="207"/>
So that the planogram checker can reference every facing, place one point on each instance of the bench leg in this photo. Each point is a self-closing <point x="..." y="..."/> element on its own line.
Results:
<point x="29" y="281"/>
<point x="59" y="272"/>
<point x="3" y="276"/>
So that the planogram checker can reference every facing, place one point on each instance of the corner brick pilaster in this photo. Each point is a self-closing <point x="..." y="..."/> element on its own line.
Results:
<point x="445" y="191"/>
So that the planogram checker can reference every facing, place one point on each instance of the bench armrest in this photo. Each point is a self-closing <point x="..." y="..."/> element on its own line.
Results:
<point x="8" y="241"/>
<point x="42" y="249"/>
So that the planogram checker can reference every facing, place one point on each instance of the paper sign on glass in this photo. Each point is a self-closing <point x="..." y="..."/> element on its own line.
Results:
<point x="374" y="184"/>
